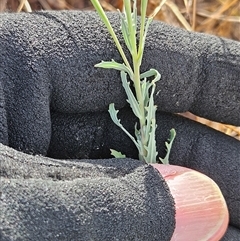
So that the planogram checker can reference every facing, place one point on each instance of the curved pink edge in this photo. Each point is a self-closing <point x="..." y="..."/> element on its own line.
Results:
<point x="193" y="209"/>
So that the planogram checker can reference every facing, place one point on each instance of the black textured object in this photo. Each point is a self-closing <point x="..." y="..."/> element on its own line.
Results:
<point x="54" y="102"/>
<point x="196" y="146"/>
<point x="47" y="61"/>
<point x="108" y="199"/>
<point x="232" y="234"/>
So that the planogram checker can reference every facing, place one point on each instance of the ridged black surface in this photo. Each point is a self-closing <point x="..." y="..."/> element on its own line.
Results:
<point x="54" y="102"/>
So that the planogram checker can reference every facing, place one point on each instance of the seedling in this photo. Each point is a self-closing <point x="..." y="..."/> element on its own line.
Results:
<point x="142" y="102"/>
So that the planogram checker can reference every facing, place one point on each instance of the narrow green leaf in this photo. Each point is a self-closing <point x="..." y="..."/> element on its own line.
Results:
<point x="144" y="4"/>
<point x="150" y="73"/>
<point x="151" y="145"/>
<point x="145" y="85"/>
<point x="142" y="43"/>
<point x="165" y="160"/>
<point x="151" y="109"/>
<point x="128" y="12"/>
<point x="114" y="65"/>
<point x="142" y="30"/>
<point x="117" y="154"/>
<point x="106" y="21"/>
<point x="113" y="114"/>
<point x="137" y="132"/>
<point x="134" y="14"/>
<point x="102" y="15"/>
<point x="131" y="26"/>
<point x="131" y="98"/>
<point x="125" y="31"/>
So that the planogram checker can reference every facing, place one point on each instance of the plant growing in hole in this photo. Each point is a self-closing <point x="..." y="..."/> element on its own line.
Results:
<point x="142" y="103"/>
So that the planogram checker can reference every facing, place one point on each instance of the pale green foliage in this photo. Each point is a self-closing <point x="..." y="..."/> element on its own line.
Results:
<point x="165" y="160"/>
<point x="142" y="103"/>
<point x="117" y="154"/>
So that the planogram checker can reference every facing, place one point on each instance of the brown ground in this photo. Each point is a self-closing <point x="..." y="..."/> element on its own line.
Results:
<point x="219" y="17"/>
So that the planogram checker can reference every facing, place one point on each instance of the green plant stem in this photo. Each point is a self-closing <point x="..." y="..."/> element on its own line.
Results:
<point x="132" y="30"/>
<point x="142" y="29"/>
<point x="105" y="20"/>
<point x="142" y="102"/>
<point x="137" y="86"/>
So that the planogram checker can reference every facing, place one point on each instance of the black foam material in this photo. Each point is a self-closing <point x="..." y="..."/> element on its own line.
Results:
<point x="107" y="199"/>
<point x="53" y="102"/>
<point x="47" y="61"/>
<point x="196" y="146"/>
<point x="232" y="234"/>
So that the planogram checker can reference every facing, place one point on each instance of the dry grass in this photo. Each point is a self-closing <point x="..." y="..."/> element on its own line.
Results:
<point x="218" y="17"/>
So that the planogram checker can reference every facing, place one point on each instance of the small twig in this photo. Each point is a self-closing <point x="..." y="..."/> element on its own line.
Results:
<point x="24" y="4"/>
<point x="218" y="12"/>
<point x="194" y="15"/>
<point x="157" y="9"/>
<point x="45" y="5"/>
<point x="178" y="14"/>
<point x="108" y="6"/>
<point x="207" y="14"/>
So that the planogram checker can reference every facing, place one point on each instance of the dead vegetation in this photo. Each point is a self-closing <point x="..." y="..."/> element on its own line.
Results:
<point x="218" y="17"/>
